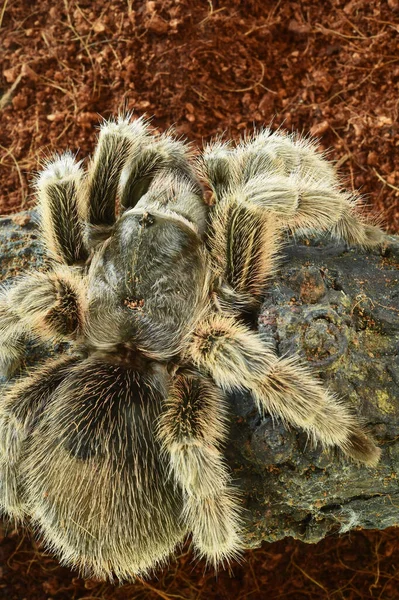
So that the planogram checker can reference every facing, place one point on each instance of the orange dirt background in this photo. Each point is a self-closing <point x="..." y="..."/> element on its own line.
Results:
<point x="207" y="67"/>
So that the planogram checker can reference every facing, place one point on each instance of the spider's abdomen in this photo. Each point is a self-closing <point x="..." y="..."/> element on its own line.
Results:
<point x="149" y="283"/>
<point x="104" y="501"/>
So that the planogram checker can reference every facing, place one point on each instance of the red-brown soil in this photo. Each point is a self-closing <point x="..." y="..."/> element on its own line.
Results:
<point x="206" y="67"/>
<point x="357" y="566"/>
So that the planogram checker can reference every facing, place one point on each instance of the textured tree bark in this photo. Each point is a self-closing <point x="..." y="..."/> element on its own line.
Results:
<point x="338" y="308"/>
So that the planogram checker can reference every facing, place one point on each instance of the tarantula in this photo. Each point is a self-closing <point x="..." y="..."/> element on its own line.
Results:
<point x="114" y="449"/>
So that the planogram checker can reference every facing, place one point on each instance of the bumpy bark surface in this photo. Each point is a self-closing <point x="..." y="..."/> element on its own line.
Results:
<point x="337" y="307"/>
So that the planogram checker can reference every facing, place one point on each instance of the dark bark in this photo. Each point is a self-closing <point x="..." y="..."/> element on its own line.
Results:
<point x="337" y="307"/>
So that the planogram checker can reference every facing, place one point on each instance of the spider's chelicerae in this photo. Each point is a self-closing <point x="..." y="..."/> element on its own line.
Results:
<point x="114" y="450"/>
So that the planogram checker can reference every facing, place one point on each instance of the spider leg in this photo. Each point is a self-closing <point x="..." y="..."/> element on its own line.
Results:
<point x="192" y="428"/>
<point x="237" y="358"/>
<point x="46" y="306"/>
<point x="244" y="239"/>
<point x="308" y="204"/>
<point x="216" y="167"/>
<point x="266" y="153"/>
<point x="244" y="243"/>
<point x="12" y="346"/>
<point x="288" y="176"/>
<point x="20" y="409"/>
<point x="58" y="187"/>
<point x="162" y="154"/>
<point x="118" y="141"/>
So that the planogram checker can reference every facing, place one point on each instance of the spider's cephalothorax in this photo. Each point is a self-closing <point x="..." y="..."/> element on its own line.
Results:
<point x="114" y="449"/>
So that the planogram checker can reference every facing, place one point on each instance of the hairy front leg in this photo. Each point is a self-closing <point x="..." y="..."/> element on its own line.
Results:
<point x="192" y="429"/>
<point x="118" y="141"/>
<point x="237" y="358"/>
<point x="58" y="187"/>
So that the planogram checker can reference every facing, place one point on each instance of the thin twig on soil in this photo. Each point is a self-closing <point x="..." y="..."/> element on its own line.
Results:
<point x="9" y="152"/>
<point x="3" y="10"/>
<point x="380" y="177"/>
<point x="6" y="98"/>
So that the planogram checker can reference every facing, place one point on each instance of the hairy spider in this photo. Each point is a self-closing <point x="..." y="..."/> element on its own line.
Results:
<point x="114" y="449"/>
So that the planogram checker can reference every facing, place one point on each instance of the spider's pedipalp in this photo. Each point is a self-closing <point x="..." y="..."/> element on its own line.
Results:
<point x="118" y="140"/>
<point x="192" y="428"/>
<point x="58" y="187"/>
<point x="237" y="358"/>
<point x="138" y="175"/>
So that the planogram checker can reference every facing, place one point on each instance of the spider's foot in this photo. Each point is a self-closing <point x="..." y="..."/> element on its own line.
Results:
<point x="60" y="168"/>
<point x="216" y="530"/>
<point x="355" y="231"/>
<point x="124" y="126"/>
<point x="361" y="448"/>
